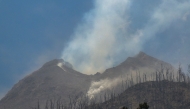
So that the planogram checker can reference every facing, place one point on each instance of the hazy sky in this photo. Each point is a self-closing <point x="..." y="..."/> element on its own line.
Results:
<point x="34" y="32"/>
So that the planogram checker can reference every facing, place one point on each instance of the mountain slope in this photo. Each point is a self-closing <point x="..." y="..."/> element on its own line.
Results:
<point x="51" y="81"/>
<point x="56" y="79"/>
<point x="137" y="69"/>
<point x="141" y="63"/>
<point x="158" y="95"/>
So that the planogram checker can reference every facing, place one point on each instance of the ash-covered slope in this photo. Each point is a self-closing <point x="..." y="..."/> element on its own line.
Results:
<point x="137" y="69"/>
<point x="141" y="63"/>
<point x="159" y="95"/>
<point x="55" y="79"/>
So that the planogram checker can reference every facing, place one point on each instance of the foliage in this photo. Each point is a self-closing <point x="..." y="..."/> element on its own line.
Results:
<point x="143" y="106"/>
<point x="123" y="107"/>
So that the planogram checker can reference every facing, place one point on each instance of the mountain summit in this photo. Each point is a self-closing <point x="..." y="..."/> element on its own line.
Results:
<point x="142" y="63"/>
<point x="59" y="62"/>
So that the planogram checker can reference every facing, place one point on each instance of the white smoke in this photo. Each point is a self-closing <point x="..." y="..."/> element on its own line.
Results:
<point x="102" y="85"/>
<point x="185" y="17"/>
<point x="167" y="13"/>
<point x="120" y="83"/>
<point x="100" y="38"/>
<point x="103" y="38"/>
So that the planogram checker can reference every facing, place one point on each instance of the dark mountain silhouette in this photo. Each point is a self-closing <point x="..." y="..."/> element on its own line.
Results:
<point x="58" y="80"/>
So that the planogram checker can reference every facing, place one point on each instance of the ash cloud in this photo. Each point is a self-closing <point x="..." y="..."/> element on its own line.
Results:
<point x="104" y="39"/>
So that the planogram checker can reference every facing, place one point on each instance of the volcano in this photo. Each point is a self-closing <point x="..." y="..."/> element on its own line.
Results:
<point x="57" y="79"/>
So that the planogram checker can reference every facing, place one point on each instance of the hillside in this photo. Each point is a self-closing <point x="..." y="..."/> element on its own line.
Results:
<point x="142" y="63"/>
<point x="158" y="95"/>
<point x="139" y="68"/>
<point x="51" y="81"/>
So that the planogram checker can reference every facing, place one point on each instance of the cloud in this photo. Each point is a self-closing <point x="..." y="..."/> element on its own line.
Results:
<point x="104" y="39"/>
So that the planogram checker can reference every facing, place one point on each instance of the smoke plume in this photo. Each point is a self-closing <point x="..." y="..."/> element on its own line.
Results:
<point x="103" y="39"/>
<point x="102" y="85"/>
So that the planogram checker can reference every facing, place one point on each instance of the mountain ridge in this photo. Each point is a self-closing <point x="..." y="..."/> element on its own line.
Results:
<point x="158" y="94"/>
<point x="58" y="79"/>
<point x="137" y="63"/>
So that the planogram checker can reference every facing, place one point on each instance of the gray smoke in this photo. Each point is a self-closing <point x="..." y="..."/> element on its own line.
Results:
<point x="103" y="39"/>
<point x="102" y="85"/>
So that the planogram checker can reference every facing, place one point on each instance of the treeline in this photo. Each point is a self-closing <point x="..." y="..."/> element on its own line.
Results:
<point x="110" y="97"/>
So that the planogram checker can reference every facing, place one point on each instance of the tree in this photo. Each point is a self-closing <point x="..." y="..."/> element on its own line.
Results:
<point x="123" y="107"/>
<point x="143" y="106"/>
